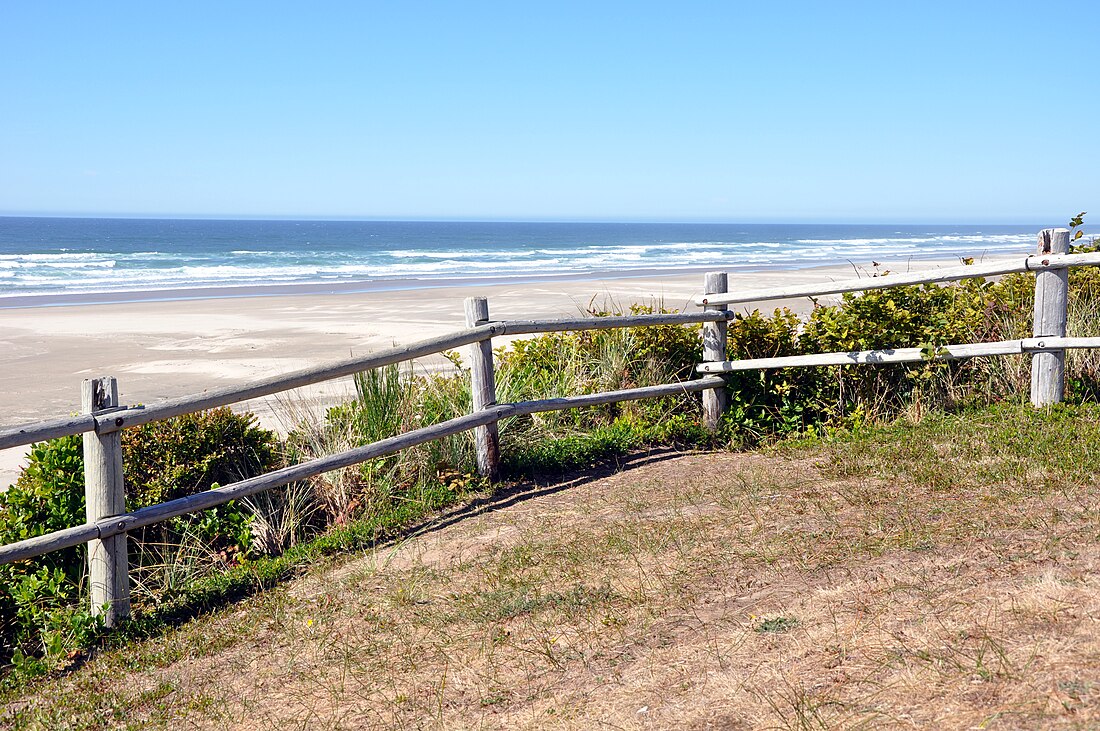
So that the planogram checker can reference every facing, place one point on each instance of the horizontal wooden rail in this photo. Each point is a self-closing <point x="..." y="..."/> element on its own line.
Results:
<point x="42" y="430"/>
<point x="527" y="327"/>
<point x="126" y="522"/>
<point x="1031" y="263"/>
<point x="900" y="355"/>
<point x="611" y="397"/>
<point x="1034" y="345"/>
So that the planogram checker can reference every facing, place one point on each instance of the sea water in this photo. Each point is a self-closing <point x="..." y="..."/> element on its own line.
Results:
<point x="59" y="256"/>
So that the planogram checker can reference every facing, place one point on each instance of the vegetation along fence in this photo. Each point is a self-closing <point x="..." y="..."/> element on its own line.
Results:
<point x="108" y="521"/>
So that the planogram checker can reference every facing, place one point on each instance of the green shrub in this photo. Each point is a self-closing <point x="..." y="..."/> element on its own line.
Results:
<point x="925" y="316"/>
<point x="165" y="460"/>
<point x="185" y="455"/>
<point x="900" y="317"/>
<point x="48" y="496"/>
<point x="41" y="623"/>
<point x="42" y="616"/>
<point x="776" y="400"/>
<point x="38" y="624"/>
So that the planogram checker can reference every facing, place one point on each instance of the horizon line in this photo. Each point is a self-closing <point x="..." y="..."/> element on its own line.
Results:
<point x="536" y="219"/>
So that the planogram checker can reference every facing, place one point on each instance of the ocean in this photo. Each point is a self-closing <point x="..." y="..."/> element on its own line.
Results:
<point x="73" y="256"/>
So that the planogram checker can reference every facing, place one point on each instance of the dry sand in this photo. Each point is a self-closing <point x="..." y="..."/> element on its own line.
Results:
<point x="161" y="349"/>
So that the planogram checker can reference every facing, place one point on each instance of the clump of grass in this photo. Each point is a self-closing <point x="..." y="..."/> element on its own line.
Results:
<point x="776" y="625"/>
<point x="165" y="571"/>
<point x="388" y="402"/>
<point x="282" y="517"/>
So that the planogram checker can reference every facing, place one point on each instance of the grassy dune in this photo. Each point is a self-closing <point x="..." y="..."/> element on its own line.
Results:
<point x="939" y="575"/>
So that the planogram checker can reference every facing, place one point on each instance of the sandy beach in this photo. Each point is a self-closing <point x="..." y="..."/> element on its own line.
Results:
<point x="160" y="346"/>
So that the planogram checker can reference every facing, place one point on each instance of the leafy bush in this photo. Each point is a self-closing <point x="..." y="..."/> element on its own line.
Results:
<point x="42" y="617"/>
<point x="769" y="401"/>
<point x="925" y="316"/>
<point x="187" y="454"/>
<point x="41" y="626"/>
<point x="37" y="624"/>
<point x="165" y="460"/>
<point x="48" y="496"/>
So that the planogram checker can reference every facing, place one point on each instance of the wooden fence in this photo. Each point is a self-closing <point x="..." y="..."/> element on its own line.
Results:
<point x="103" y="417"/>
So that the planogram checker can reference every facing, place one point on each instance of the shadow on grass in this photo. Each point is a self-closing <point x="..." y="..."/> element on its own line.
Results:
<point x="515" y="493"/>
<point x="217" y="592"/>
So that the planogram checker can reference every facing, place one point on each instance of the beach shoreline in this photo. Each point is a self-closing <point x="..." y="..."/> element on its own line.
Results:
<point x="172" y="346"/>
<point x="298" y="289"/>
<point x="372" y="286"/>
<point x="60" y="261"/>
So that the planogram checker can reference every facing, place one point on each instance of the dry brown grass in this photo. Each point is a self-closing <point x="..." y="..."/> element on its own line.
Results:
<point x="699" y="591"/>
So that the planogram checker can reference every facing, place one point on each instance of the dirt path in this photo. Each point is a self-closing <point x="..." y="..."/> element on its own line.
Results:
<point x="686" y="591"/>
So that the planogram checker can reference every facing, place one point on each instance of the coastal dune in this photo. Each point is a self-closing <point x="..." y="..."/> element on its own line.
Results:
<point x="170" y="345"/>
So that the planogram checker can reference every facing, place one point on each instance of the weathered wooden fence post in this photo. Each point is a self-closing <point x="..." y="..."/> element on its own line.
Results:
<point x="104" y="493"/>
<point x="714" y="349"/>
<point x="483" y="390"/>
<point x="1048" y="367"/>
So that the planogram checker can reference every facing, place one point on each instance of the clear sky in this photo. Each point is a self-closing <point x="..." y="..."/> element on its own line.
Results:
<point x="724" y="111"/>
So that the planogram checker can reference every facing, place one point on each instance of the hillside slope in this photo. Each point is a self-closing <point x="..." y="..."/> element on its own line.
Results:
<point x="940" y="576"/>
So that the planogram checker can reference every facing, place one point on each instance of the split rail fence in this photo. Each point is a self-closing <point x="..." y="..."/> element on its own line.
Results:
<point x="103" y="417"/>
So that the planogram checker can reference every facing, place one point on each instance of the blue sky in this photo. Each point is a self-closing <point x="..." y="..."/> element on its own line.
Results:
<point x="724" y="111"/>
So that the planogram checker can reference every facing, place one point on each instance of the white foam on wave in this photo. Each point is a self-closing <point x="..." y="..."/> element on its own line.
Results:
<point x="636" y="250"/>
<point x="927" y="239"/>
<point x="88" y="256"/>
<point x="84" y="271"/>
<point x="458" y="254"/>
